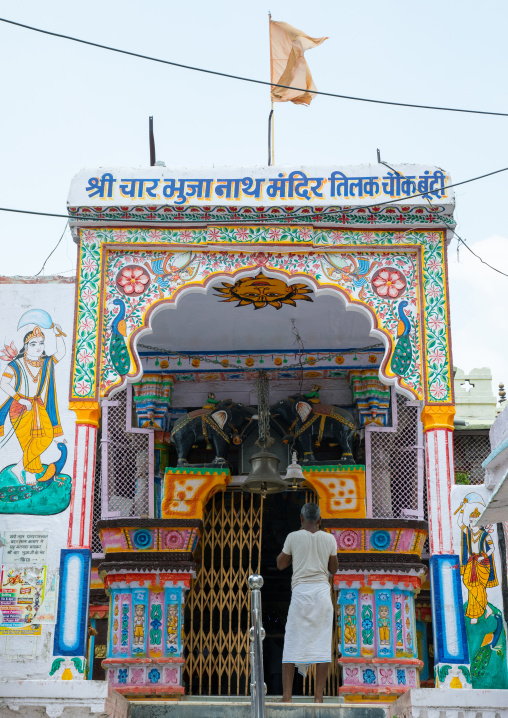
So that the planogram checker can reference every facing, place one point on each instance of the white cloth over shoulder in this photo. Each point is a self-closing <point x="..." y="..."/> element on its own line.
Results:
<point x="309" y="627"/>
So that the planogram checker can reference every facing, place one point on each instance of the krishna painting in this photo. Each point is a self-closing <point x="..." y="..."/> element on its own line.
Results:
<point x="30" y="415"/>
<point x="477" y="558"/>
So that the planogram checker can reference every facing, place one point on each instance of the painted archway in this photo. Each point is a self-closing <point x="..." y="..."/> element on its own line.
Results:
<point x="398" y="278"/>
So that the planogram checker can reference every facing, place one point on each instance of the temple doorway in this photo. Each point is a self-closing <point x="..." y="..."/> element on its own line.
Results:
<point x="242" y="534"/>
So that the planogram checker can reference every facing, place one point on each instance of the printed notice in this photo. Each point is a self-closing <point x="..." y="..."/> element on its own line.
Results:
<point x="25" y="548"/>
<point x="47" y="610"/>
<point x="21" y="594"/>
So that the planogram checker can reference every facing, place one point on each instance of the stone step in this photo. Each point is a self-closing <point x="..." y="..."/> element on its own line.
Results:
<point x="235" y="708"/>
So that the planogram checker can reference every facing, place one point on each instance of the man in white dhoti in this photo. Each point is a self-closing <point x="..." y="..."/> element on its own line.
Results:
<point x="309" y="626"/>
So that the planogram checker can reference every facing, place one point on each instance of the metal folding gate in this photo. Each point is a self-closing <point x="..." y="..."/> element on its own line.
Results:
<point x="218" y="605"/>
<point x="217" y="611"/>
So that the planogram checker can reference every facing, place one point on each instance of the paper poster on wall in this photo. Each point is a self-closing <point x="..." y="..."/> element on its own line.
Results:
<point x="25" y="548"/>
<point x="21" y="594"/>
<point x="48" y="608"/>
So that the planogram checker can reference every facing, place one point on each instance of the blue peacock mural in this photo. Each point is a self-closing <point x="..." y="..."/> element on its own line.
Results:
<point x="403" y="352"/>
<point x="118" y="351"/>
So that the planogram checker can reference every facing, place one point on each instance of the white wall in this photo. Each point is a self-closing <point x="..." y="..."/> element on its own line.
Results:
<point x="31" y="656"/>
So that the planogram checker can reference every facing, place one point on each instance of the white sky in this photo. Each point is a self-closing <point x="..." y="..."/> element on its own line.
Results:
<point x="66" y="106"/>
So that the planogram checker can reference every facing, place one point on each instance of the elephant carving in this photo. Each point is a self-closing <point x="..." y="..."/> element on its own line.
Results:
<point x="307" y="424"/>
<point x="226" y="423"/>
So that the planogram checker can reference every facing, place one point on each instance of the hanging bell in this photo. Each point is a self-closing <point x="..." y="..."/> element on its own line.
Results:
<point x="264" y="477"/>
<point x="294" y="475"/>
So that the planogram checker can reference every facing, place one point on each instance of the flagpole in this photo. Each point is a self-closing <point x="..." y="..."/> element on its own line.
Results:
<point x="271" y="136"/>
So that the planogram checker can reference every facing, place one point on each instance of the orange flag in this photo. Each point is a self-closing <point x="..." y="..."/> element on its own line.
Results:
<point x="288" y="65"/>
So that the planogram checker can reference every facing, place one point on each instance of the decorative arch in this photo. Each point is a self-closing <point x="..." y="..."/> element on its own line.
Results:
<point x="329" y="261"/>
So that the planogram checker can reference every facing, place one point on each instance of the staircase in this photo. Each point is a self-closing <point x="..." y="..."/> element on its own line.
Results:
<point x="238" y="708"/>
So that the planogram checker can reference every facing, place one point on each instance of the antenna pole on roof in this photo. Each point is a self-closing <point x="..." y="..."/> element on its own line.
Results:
<point x="151" y="141"/>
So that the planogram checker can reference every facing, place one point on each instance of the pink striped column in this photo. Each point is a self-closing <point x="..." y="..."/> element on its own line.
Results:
<point x="452" y="666"/>
<point x="85" y="442"/>
<point x="81" y="508"/>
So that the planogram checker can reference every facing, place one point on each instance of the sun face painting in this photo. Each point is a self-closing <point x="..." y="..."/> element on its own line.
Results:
<point x="263" y="291"/>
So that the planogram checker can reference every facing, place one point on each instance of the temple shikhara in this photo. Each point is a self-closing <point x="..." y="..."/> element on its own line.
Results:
<point x="238" y="342"/>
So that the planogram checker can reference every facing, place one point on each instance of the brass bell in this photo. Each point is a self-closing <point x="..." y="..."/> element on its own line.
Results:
<point x="264" y="477"/>
<point x="294" y="475"/>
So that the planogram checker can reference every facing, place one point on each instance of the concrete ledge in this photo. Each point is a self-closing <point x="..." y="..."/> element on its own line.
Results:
<point x="430" y="702"/>
<point x="241" y="709"/>
<point x="69" y="699"/>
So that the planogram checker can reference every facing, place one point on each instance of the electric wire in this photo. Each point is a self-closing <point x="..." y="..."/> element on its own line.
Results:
<point x="345" y="210"/>
<point x="459" y="238"/>
<point x="53" y="250"/>
<point x="250" y="79"/>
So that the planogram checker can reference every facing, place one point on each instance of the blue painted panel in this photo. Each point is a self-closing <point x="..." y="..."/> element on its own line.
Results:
<point x="421" y="642"/>
<point x="384" y="623"/>
<point x="172" y="615"/>
<point x="450" y="640"/>
<point x="72" y="624"/>
<point x="139" y="624"/>
<point x="350" y="622"/>
<point x="409" y="633"/>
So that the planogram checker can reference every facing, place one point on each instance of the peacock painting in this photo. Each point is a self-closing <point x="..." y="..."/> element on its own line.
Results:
<point x="481" y="661"/>
<point x="403" y="353"/>
<point x="52" y="472"/>
<point x="118" y="352"/>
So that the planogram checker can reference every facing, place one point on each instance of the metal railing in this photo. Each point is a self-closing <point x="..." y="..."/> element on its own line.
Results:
<point x="257" y="635"/>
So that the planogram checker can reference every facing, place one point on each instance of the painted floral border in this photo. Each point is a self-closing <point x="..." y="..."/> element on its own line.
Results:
<point x="437" y="374"/>
<point x="409" y="215"/>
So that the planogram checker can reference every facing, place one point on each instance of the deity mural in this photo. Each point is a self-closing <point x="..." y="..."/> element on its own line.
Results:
<point x="384" y="622"/>
<point x="350" y="624"/>
<point x="139" y="624"/>
<point x="485" y="629"/>
<point x="477" y="560"/>
<point x="29" y="415"/>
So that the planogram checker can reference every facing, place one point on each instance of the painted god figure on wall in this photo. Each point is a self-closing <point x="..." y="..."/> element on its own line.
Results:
<point x="477" y="561"/>
<point x="384" y="624"/>
<point x="350" y="624"/>
<point x="30" y="415"/>
<point x="139" y="624"/>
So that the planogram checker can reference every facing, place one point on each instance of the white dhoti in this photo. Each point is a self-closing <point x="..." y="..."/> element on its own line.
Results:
<point x="309" y="626"/>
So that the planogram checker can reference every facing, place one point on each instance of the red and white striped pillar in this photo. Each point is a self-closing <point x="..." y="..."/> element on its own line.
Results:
<point x="85" y="442"/>
<point x="451" y="667"/>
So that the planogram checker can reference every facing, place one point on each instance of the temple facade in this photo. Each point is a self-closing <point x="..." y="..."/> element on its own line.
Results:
<point x="215" y="313"/>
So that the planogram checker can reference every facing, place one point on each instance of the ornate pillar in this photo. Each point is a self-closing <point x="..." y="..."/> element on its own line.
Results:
<point x="451" y="655"/>
<point x="71" y="631"/>
<point x="85" y="442"/>
<point x="147" y="571"/>
<point x="370" y="396"/>
<point x="152" y="400"/>
<point x="379" y="575"/>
